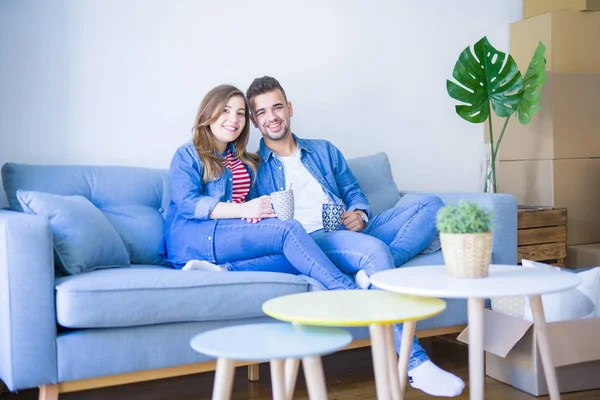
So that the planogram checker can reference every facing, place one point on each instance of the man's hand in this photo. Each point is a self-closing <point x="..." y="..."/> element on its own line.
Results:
<point x="352" y="221"/>
<point x="259" y="208"/>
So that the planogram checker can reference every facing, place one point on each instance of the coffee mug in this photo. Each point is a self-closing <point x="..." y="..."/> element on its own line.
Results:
<point x="332" y="217"/>
<point x="283" y="204"/>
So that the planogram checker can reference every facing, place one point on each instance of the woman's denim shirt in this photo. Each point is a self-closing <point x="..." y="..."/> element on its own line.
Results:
<point x="193" y="201"/>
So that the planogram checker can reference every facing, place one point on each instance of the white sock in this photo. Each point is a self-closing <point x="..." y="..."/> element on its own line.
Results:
<point x="362" y="280"/>
<point x="202" y="266"/>
<point x="434" y="381"/>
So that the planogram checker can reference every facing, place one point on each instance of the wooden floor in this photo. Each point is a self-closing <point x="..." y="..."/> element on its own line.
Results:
<point x="349" y="376"/>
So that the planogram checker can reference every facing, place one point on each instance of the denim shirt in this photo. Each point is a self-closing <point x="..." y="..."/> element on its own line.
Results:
<point x="189" y="231"/>
<point x="325" y="163"/>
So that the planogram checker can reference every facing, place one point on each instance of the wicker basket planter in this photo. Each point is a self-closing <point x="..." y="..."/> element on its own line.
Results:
<point x="467" y="255"/>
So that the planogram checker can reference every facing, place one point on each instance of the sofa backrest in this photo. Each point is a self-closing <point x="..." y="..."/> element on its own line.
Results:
<point x="135" y="199"/>
<point x="374" y="175"/>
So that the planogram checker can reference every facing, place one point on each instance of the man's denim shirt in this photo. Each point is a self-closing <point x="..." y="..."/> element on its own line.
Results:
<point x="188" y="224"/>
<point x="324" y="162"/>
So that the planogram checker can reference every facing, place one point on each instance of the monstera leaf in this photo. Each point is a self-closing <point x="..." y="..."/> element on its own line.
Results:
<point x="532" y="85"/>
<point x="488" y="76"/>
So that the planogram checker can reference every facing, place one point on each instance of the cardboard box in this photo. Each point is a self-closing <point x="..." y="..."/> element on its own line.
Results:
<point x="583" y="256"/>
<point x="512" y="354"/>
<point x="573" y="183"/>
<point x="531" y="8"/>
<point x="571" y="40"/>
<point x="567" y="126"/>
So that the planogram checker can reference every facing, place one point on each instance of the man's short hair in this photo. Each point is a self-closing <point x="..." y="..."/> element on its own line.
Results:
<point x="263" y="85"/>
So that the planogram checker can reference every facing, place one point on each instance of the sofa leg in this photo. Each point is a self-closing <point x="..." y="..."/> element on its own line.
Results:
<point x="48" y="392"/>
<point x="253" y="374"/>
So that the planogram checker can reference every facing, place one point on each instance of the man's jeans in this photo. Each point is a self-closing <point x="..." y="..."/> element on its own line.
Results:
<point x="390" y="239"/>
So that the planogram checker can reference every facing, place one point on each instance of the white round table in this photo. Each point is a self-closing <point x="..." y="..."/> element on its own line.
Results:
<point x="503" y="281"/>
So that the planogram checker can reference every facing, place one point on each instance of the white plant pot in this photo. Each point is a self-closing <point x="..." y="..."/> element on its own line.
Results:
<point x="467" y="255"/>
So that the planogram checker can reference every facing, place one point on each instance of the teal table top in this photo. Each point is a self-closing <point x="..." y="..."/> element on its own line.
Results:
<point x="270" y="341"/>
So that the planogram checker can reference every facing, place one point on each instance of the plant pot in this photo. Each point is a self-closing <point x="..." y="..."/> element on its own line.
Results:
<point x="467" y="255"/>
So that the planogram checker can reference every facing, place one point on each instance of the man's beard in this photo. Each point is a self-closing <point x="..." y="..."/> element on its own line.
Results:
<point x="279" y="135"/>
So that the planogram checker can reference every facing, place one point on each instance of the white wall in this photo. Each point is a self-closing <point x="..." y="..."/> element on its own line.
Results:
<point x="119" y="81"/>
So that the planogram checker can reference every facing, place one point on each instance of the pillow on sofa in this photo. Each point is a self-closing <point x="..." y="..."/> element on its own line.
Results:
<point x="576" y="303"/>
<point x="83" y="238"/>
<point x="374" y="175"/>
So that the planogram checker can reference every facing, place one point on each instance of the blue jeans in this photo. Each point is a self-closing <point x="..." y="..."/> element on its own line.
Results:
<point x="389" y="240"/>
<point x="236" y="240"/>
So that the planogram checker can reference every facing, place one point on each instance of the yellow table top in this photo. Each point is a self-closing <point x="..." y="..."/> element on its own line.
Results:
<point x="352" y="308"/>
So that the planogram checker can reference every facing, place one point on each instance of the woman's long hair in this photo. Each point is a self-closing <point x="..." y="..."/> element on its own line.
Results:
<point x="210" y="109"/>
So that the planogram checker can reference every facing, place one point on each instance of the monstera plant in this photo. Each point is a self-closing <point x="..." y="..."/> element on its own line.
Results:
<point x="488" y="78"/>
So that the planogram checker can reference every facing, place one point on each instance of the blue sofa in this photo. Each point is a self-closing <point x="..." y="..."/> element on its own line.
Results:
<point x="119" y="325"/>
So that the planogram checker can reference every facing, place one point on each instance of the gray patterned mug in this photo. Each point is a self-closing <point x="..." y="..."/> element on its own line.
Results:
<point x="283" y="204"/>
<point x="332" y="217"/>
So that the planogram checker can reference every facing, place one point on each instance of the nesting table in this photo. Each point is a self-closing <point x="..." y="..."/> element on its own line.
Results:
<point x="503" y="281"/>
<point x="274" y="342"/>
<point x="373" y="308"/>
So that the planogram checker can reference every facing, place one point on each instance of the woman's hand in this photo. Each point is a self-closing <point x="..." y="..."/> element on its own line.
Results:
<point x="252" y="220"/>
<point x="257" y="209"/>
<point x="251" y="211"/>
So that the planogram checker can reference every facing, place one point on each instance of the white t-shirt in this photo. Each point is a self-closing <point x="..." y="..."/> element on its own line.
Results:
<point x="309" y="195"/>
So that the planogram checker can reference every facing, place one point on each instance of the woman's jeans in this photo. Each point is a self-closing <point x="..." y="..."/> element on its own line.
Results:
<point x="390" y="239"/>
<point x="236" y="240"/>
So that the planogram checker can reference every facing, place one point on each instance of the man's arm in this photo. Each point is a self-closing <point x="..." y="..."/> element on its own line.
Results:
<point x="347" y="183"/>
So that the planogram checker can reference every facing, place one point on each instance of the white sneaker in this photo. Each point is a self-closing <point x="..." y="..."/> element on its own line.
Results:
<point x="362" y="280"/>
<point x="202" y="265"/>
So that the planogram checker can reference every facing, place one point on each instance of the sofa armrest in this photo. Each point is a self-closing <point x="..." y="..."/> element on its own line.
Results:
<point x="504" y="207"/>
<point x="27" y="306"/>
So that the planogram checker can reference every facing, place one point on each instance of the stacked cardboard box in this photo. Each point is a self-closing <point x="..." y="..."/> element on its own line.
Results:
<point x="555" y="159"/>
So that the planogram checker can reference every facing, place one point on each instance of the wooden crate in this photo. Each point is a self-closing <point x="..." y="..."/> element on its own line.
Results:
<point x="542" y="234"/>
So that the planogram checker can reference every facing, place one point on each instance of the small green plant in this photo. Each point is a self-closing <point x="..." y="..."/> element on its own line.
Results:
<point x="466" y="217"/>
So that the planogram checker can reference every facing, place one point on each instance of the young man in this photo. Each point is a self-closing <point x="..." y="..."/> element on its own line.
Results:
<point x="318" y="173"/>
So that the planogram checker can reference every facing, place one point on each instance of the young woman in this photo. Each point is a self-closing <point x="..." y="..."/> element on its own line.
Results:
<point x="213" y="221"/>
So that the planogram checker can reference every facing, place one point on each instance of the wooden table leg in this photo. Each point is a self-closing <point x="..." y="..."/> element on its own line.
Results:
<point x="392" y="361"/>
<point x="315" y="378"/>
<point x="380" y="365"/>
<point x="278" y="379"/>
<point x="291" y="373"/>
<point x="408" y="333"/>
<point x="253" y="372"/>
<point x="539" y="320"/>
<point x="476" y="353"/>
<point x="223" y="379"/>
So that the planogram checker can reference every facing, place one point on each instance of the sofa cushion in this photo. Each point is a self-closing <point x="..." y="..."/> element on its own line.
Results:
<point x="144" y="295"/>
<point x="83" y="238"/>
<point x="374" y="175"/>
<point x="133" y="199"/>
